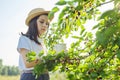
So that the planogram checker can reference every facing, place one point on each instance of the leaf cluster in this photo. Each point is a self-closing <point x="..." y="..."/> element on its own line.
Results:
<point x="91" y="56"/>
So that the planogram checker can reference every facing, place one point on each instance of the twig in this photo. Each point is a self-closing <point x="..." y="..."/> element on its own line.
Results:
<point x="105" y="3"/>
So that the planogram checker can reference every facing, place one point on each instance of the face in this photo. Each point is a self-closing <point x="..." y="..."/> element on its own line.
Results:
<point x="42" y="24"/>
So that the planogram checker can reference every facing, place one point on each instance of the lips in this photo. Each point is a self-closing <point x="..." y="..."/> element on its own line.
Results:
<point x="43" y="29"/>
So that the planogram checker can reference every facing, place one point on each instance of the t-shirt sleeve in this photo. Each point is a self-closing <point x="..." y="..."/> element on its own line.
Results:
<point x="23" y="42"/>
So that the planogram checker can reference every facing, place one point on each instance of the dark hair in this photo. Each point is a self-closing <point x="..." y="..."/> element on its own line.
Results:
<point x="32" y="32"/>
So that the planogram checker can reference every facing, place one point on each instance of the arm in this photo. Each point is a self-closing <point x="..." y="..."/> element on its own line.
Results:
<point x="23" y="52"/>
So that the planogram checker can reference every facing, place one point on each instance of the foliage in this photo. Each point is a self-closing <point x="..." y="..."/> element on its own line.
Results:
<point x="8" y="70"/>
<point x="1" y="66"/>
<point x="102" y="52"/>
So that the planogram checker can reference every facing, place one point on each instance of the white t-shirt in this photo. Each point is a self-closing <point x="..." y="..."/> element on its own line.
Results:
<point x="25" y="42"/>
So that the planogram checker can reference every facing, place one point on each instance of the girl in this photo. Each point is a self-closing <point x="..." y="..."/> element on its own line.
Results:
<point x="38" y="23"/>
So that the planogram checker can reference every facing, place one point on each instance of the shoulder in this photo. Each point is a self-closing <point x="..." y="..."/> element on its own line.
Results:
<point x="22" y="37"/>
<point x="24" y="42"/>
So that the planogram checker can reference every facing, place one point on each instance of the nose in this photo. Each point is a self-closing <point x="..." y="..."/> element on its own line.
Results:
<point x="45" y="25"/>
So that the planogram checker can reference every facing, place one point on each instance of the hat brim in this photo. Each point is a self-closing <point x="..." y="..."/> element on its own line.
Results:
<point x="28" y="19"/>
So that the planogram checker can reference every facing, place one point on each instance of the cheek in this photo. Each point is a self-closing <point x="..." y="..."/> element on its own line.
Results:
<point x="39" y="29"/>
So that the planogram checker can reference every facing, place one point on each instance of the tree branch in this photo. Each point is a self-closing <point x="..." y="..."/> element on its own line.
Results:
<point x="105" y="3"/>
<point x="101" y="5"/>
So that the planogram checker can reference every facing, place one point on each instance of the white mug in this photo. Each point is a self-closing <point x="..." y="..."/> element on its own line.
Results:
<point x="60" y="47"/>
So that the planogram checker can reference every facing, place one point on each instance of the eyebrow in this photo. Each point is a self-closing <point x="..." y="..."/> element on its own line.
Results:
<point x="44" y="20"/>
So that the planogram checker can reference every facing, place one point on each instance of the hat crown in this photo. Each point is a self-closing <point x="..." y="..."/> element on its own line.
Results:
<point x="34" y="13"/>
<point x="37" y="10"/>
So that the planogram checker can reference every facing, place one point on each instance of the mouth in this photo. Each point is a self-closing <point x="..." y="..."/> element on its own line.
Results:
<point x="43" y="29"/>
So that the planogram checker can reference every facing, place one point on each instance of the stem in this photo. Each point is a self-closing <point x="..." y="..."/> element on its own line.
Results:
<point x="100" y="5"/>
<point x="105" y="3"/>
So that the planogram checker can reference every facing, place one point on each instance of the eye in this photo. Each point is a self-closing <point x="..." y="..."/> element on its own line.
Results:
<point x="41" y="22"/>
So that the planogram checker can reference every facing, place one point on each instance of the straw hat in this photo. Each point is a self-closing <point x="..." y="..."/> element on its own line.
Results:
<point x="35" y="12"/>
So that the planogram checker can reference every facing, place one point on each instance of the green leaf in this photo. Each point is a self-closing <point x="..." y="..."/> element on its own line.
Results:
<point x="116" y="2"/>
<point x="82" y="29"/>
<point x="31" y="58"/>
<point x="78" y="23"/>
<point x="41" y="53"/>
<point x="31" y="53"/>
<point x="51" y="15"/>
<point x="96" y="26"/>
<point x="118" y="54"/>
<point x="55" y="9"/>
<point x="101" y="38"/>
<point x="61" y="2"/>
<point x="109" y="13"/>
<point x="67" y="28"/>
<point x="70" y="3"/>
<point x="61" y="15"/>
<point x="60" y="22"/>
<point x="80" y="7"/>
<point x="66" y="8"/>
<point x="76" y="37"/>
<point x="94" y="74"/>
